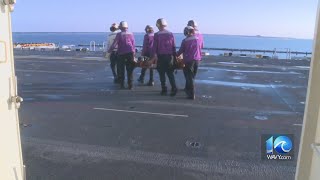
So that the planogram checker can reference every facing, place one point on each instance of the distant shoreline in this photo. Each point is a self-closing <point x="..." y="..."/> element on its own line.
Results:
<point x="248" y="36"/>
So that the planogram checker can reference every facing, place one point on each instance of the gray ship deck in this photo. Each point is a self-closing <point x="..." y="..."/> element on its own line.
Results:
<point x="76" y="124"/>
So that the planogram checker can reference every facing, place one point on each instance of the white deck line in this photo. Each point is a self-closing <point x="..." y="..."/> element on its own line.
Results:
<point x="141" y="112"/>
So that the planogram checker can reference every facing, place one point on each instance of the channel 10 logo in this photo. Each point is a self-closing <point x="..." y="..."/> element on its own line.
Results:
<point x="277" y="147"/>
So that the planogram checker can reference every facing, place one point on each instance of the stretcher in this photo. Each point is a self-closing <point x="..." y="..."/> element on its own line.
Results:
<point x="146" y="62"/>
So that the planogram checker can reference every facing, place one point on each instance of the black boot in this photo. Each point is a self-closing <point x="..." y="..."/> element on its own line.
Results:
<point x="191" y="95"/>
<point x="164" y="91"/>
<point x="122" y="85"/>
<point x="150" y="83"/>
<point x="116" y="80"/>
<point x="141" y="80"/>
<point x="173" y="92"/>
<point x="130" y="87"/>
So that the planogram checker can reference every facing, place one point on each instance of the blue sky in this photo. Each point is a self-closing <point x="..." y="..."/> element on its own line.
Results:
<point x="280" y="18"/>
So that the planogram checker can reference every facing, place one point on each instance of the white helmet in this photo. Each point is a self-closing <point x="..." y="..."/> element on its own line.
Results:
<point x="161" y="22"/>
<point x="192" y="23"/>
<point x="123" y="24"/>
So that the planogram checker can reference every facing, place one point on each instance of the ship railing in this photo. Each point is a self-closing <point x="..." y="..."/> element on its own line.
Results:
<point x="92" y="46"/>
<point x="104" y="45"/>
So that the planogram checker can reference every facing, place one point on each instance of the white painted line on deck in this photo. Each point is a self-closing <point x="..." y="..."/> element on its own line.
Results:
<point x="213" y="107"/>
<point x="297" y="124"/>
<point x="283" y="98"/>
<point x="141" y="112"/>
<point x="303" y="67"/>
<point x="246" y="71"/>
<point x="55" y="72"/>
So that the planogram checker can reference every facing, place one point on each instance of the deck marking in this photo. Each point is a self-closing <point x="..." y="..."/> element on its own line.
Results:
<point x="247" y="71"/>
<point x="141" y="112"/>
<point x="223" y="108"/>
<point x="283" y="99"/>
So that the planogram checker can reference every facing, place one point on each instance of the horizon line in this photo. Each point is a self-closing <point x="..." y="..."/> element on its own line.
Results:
<point x="262" y="36"/>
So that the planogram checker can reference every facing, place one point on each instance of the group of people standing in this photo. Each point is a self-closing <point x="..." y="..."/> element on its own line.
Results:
<point x="160" y="47"/>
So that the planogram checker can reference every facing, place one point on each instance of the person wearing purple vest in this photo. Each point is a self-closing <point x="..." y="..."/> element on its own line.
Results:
<point x="164" y="50"/>
<point x="191" y="50"/>
<point x="147" y="51"/>
<point x="126" y="51"/>
<point x="194" y="24"/>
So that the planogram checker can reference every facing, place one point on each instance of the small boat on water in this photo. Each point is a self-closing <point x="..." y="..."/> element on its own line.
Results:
<point x="68" y="47"/>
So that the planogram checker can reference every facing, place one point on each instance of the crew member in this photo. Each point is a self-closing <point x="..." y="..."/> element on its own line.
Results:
<point x="164" y="51"/>
<point x="126" y="51"/>
<point x="194" y="24"/>
<point x="113" y="55"/>
<point x="191" y="50"/>
<point x="147" y="51"/>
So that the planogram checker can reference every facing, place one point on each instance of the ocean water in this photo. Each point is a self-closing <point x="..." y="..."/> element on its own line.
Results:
<point x="211" y="41"/>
